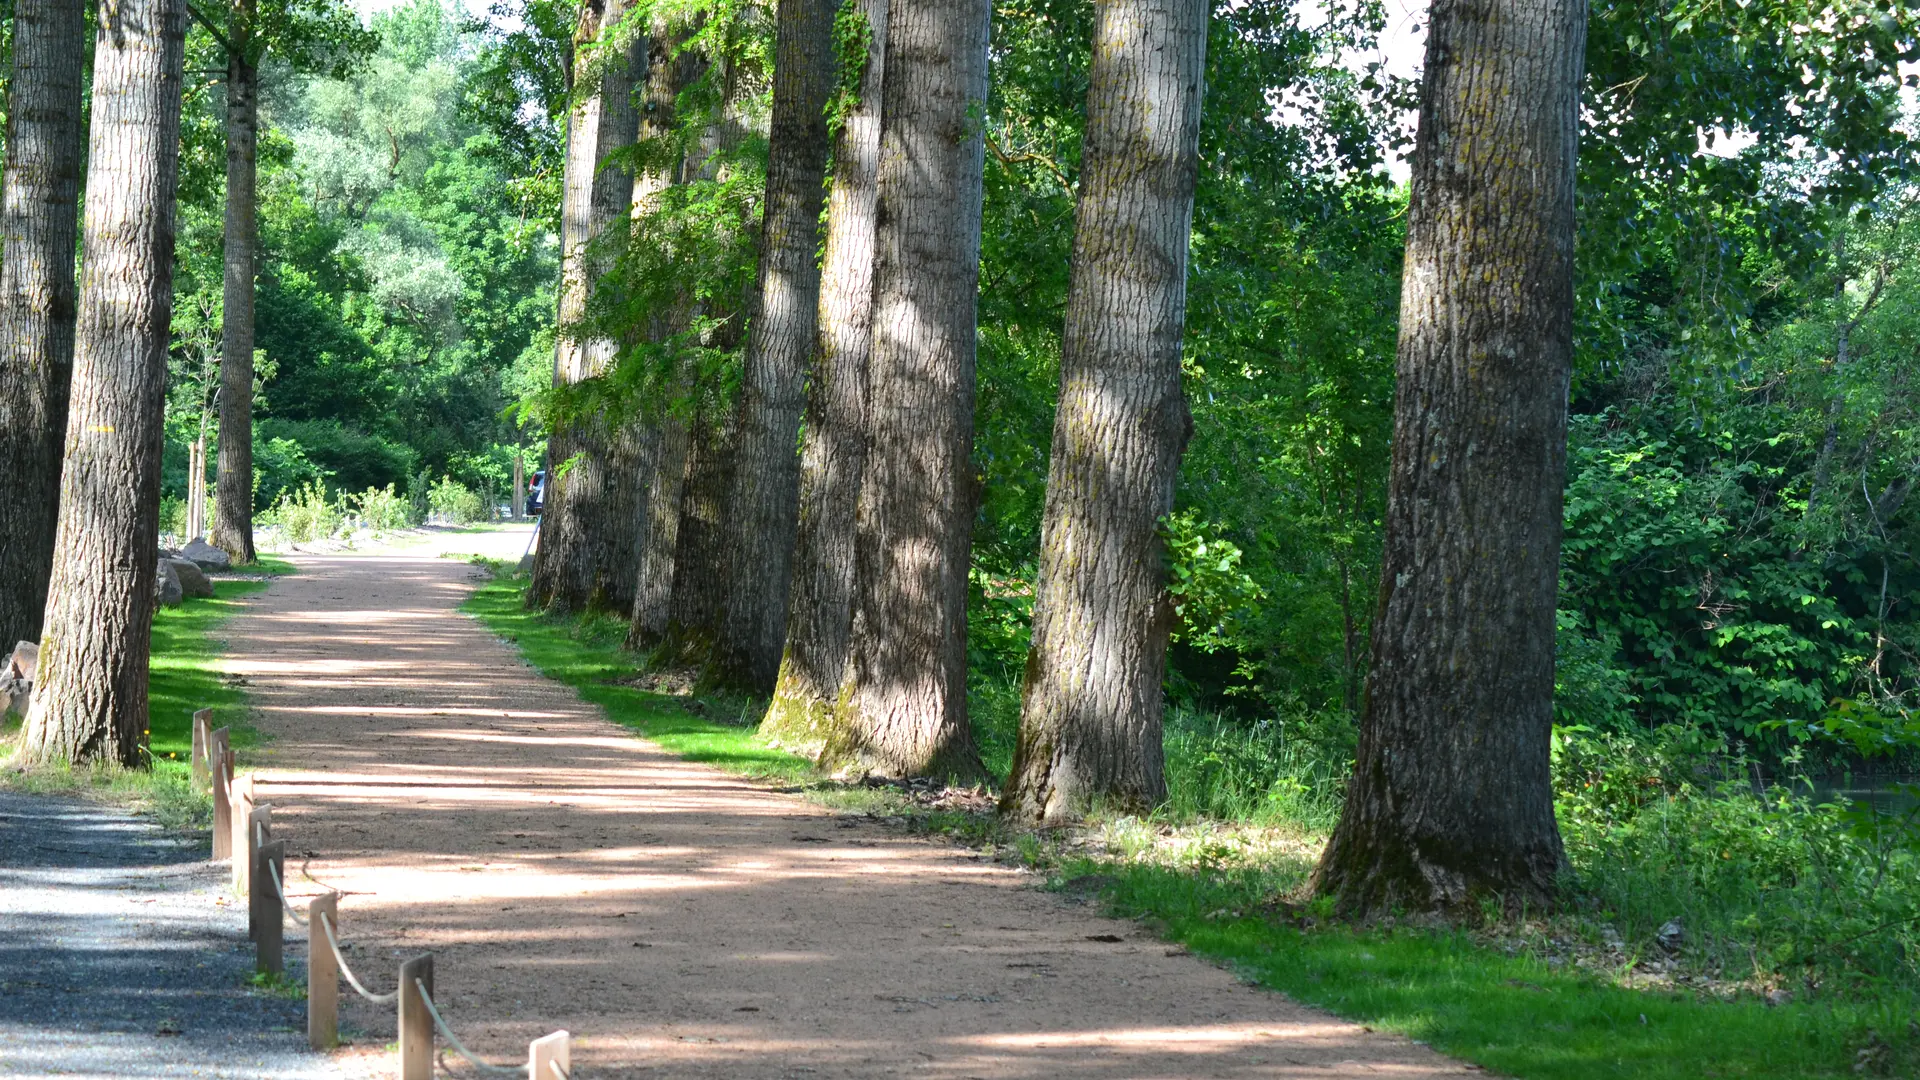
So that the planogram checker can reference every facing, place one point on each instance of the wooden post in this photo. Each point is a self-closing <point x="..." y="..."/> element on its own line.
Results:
<point x="240" y="789"/>
<point x="222" y="795"/>
<point x="519" y="484"/>
<point x="201" y="765"/>
<point x="323" y="974"/>
<point x="548" y="1053"/>
<point x="263" y="907"/>
<point x="416" y="1027"/>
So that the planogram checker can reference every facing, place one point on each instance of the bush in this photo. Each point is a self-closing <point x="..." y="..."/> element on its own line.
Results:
<point x="380" y="509"/>
<point x="455" y="503"/>
<point x="1768" y="881"/>
<point x="348" y="459"/>
<point x="173" y="516"/>
<point x="306" y="515"/>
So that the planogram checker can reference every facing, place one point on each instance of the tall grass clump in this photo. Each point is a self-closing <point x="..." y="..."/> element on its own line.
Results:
<point x="1267" y="773"/>
<point x="382" y="510"/>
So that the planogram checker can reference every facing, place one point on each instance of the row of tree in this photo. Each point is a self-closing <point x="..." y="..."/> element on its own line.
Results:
<point x="826" y="561"/>
<point x="83" y="435"/>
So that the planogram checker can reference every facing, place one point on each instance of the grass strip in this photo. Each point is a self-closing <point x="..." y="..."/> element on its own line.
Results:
<point x="182" y="678"/>
<point x="1519" y="1015"/>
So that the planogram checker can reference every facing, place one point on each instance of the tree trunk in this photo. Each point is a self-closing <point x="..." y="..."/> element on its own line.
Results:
<point x="700" y="582"/>
<point x="37" y="218"/>
<point x="669" y="71"/>
<point x="763" y="501"/>
<point x="833" y="449"/>
<point x="903" y="701"/>
<point x="660" y="541"/>
<point x="1091" y="702"/>
<point x="585" y="559"/>
<point x="90" y="701"/>
<point x="1450" y="800"/>
<point x="233" y="499"/>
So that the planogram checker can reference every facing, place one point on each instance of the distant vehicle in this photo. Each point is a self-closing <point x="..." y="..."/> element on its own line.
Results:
<point x="537" y="493"/>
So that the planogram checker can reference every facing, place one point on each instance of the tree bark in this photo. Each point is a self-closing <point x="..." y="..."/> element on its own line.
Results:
<point x="586" y="556"/>
<point x="762" y="503"/>
<point x="669" y="71"/>
<point x="233" y="501"/>
<point x="90" y="701"/>
<point x="660" y="541"/>
<point x="1091" y="702"/>
<point x="903" y="700"/>
<point x="834" y="445"/>
<point x="37" y="302"/>
<point x="700" y="581"/>
<point x="1450" y="799"/>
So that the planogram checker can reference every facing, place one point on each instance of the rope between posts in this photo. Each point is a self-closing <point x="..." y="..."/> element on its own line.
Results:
<point x="274" y="873"/>
<point x="326" y="925"/>
<point x="454" y="1040"/>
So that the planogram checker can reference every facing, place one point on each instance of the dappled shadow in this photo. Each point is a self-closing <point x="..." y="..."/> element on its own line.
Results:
<point x="680" y="921"/>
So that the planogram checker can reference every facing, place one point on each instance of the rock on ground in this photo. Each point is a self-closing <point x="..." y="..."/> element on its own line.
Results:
<point x="167" y="590"/>
<point x="206" y="555"/>
<point x="193" y="581"/>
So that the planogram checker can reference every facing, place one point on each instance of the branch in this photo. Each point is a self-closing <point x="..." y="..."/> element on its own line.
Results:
<point x="207" y="24"/>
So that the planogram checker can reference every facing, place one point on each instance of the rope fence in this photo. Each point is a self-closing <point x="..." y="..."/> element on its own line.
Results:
<point x="243" y="833"/>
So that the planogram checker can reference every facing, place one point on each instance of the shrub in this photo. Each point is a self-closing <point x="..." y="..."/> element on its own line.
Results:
<point x="349" y="459"/>
<point x="1769" y="882"/>
<point x="380" y="509"/>
<point x="306" y="515"/>
<point x="455" y="503"/>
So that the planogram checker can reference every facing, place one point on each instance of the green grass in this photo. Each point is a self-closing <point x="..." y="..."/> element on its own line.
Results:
<point x="182" y="680"/>
<point x="1519" y="1014"/>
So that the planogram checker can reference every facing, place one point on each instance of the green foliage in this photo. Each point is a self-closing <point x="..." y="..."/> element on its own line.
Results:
<point x="305" y="515"/>
<point x="346" y="457"/>
<point x="852" y="45"/>
<point x="381" y="510"/>
<point x="1771" y="881"/>
<point x="455" y="504"/>
<point x="1213" y="597"/>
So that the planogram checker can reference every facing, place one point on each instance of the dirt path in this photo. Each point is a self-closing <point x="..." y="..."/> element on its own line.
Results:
<point x="682" y="922"/>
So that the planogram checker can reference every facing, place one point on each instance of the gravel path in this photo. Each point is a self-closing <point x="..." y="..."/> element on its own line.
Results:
<point x="121" y="958"/>
<point x="680" y="921"/>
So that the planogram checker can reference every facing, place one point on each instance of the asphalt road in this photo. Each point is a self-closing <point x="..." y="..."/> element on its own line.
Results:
<point x="117" y="962"/>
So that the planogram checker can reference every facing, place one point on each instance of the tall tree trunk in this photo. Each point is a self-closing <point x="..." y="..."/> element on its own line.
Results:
<point x="660" y="540"/>
<point x="586" y="554"/>
<point x="762" y="502"/>
<point x="37" y="217"/>
<point x="1450" y="799"/>
<point x="833" y="449"/>
<point x="903" y="702"/>
<point x="233" y="499"/>
<point x="1091" y="702"/>
<point x="669" y="71"/>
<point x="90" y="703"/>
<point x="700" y="582"/>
